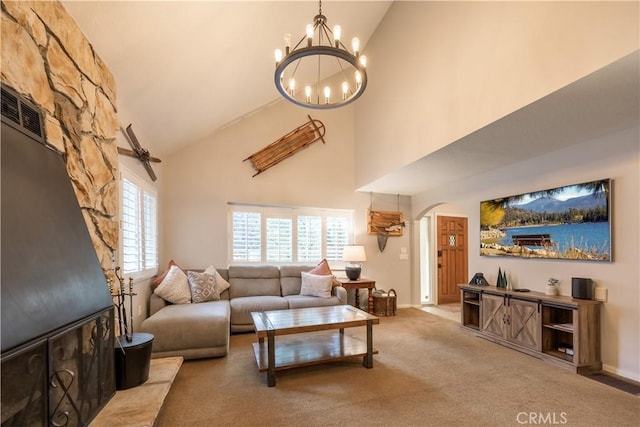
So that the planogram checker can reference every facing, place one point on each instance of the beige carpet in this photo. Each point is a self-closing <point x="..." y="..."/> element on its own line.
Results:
<point x="428" y="373"/>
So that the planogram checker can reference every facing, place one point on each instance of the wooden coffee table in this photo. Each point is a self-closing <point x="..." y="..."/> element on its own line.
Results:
<point x="310" y="349"/>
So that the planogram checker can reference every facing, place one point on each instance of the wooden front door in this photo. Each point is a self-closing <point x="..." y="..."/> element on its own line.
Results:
<point x="452" y="257"/>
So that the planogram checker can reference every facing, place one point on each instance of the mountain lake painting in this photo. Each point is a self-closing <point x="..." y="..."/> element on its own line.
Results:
<point x="570" y="222"/>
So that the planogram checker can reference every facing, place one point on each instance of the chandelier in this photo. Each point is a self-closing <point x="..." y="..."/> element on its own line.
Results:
<point x="320" y="73"/>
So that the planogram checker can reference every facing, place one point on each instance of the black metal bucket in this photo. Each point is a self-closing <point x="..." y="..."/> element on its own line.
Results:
<point x="132" y="360"/>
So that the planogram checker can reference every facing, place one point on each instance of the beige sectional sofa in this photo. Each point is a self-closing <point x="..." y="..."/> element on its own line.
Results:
<point x="202" y="330"/>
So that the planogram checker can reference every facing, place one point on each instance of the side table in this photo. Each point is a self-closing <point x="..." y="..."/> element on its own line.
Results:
<point x="361" y="283"/>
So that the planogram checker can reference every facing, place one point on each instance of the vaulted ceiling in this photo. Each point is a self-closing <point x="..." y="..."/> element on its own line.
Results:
<point x="185" y="68"/>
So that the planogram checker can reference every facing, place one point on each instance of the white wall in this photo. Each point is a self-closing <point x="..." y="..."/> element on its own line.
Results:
<point x="441" y="70"/>
<point x="391" y="269"/>
<point x="200" y="180"/>
<point x="615" y="156"/>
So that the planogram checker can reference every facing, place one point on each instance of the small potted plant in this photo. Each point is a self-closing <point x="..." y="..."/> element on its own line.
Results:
<point x="552" y="288"/>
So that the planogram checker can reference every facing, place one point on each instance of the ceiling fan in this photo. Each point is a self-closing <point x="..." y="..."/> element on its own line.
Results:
<point x="139" y="152"/>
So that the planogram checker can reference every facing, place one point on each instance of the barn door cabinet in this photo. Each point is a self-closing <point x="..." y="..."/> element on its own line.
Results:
<point x="511" y="319"/>
<point x="557" y="329"/>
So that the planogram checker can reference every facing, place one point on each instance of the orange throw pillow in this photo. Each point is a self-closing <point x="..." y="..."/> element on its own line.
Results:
<point x="323" y="269"/>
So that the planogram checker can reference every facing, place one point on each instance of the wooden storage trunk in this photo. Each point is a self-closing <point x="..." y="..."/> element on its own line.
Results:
<point x="385" y="303"/>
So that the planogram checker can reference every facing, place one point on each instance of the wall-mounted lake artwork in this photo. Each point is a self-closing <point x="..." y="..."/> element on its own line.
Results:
<point x="571" y="222"/>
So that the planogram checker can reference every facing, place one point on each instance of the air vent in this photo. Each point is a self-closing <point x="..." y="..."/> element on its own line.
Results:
<point x="31" y="119"/>
<point x="10" y="106"/>
<point x="23" y="114"/>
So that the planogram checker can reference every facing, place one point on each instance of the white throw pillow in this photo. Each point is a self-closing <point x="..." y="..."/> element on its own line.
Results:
<point x="221" y="284"/>
<point x="316" y="286"/>
<point x="174" y="287"/>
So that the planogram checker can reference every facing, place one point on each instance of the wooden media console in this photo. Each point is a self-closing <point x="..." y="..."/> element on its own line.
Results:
<point x="557" y="329"/>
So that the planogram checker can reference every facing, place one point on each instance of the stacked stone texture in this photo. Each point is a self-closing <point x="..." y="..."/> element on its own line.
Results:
<point x="47" y="59"/>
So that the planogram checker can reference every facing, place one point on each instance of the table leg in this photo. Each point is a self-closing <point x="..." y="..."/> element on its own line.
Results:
<point x="368" y="359"/>
<point x="357" y="302"/>
<point x="370" y="301"/>
<point x="271" y="356"/>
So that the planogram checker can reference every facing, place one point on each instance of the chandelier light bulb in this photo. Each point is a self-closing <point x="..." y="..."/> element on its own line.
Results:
<point x="278" y="55"/>
<point x="355" y="45"/>
<point x="307" y="92"/>
<point x="292" y="86"/>
<point x="287" y="43"/>
<point x="327" y="94"/>
<point x="337" y="33"/>
<point x="358" y="79"/>
<point x="345" y="90"/>
<point x="309" y="34"/>
<point x="363" y="60"/>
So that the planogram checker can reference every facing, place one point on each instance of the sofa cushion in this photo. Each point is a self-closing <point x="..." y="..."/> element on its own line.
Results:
<point x="192" y="326"/>
<point x="314" y="285"/>
<point x="174" y="287"/>
<point x="249" y="281"/>
<point x="203" y="287"/>
<point x="242" y="307"/>
<point x="291" y="279"/>
<point x="301" y="301"/>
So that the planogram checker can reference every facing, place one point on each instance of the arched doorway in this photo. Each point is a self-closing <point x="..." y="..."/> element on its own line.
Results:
<point x="443" y="238"/>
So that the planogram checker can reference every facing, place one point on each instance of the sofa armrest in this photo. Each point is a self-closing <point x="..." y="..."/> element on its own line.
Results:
<point x="155" y="303"/>
<point x="340" y="293"/>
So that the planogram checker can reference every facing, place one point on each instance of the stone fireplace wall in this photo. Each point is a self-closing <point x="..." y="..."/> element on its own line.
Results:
<point x="48" y="60"/>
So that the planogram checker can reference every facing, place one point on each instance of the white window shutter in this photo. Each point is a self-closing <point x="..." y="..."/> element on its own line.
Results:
<point x="131" y="227"/>
<point x="337" y="237"/>
<point x="279" y="239"/>
<point x="281" y="234"/>
<point x="246" y="237"/>
<point x="139" y="226"/>
<point x="309" y="238"/>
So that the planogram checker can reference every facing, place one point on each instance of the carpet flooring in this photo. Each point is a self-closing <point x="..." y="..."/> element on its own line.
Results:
<point x="427" y="373"/>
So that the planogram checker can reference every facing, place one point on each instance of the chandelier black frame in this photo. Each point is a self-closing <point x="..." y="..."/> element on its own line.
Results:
<point x="337" y="50"/>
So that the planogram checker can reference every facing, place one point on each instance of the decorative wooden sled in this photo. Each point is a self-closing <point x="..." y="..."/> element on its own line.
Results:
<point x="299" y="138"/>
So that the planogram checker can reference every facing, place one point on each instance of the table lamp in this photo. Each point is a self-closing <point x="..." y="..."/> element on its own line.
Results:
<point x="354" y="254"/>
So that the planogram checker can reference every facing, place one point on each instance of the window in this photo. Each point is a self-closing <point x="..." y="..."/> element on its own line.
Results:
<point x="138" y="225"/>
<point x="287" y="234"/>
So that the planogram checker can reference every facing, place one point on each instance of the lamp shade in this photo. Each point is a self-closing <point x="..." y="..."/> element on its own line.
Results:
<point x="354" y="253"/>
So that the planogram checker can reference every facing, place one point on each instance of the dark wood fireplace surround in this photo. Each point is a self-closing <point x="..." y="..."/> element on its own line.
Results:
<point x="57" y="314"/>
